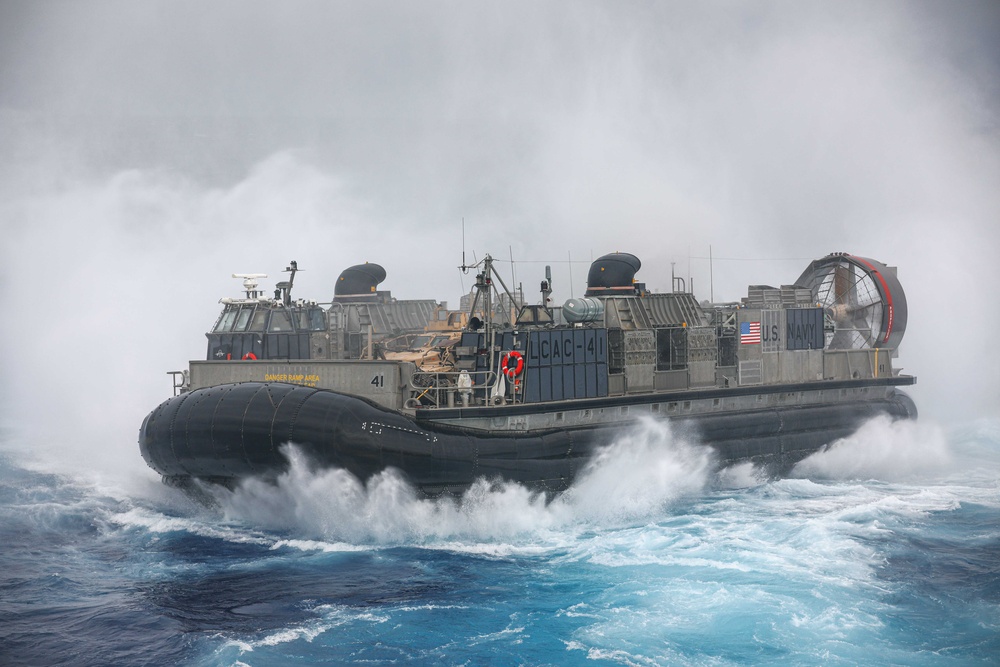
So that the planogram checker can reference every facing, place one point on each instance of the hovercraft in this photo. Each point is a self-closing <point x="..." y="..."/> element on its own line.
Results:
<point x="527" y="392"/>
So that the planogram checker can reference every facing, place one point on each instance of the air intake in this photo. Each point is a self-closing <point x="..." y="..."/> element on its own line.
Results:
<point x="359" y="283"/>
<point x="613" y="275"/>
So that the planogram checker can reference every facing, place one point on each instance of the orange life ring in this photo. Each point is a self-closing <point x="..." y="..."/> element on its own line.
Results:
<point x="250" y="355"/>
<point x="512" y="364"/>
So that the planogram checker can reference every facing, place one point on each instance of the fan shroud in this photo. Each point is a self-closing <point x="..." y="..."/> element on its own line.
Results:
<point x="862" y="297"/>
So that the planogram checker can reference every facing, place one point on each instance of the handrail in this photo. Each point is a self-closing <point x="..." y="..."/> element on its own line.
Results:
<point x="182" y="381"/>
<point x="435" y="389"/>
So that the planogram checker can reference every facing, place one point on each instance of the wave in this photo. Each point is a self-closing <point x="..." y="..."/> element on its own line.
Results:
<point x="639" y="478"/>
<point x="650" y="539"/>
<point x="643" y="477"/>
<point x="634" y="478"/>
<point x="883" y="449"/>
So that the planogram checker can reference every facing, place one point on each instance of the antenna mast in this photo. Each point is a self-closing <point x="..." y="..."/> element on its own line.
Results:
<point x="547" y="287"/>
<point x="711" y="276"/>
<point x="283" y="290"/>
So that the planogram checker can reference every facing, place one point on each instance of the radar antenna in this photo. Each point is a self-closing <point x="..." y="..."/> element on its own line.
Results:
<point x="250" y="283"/>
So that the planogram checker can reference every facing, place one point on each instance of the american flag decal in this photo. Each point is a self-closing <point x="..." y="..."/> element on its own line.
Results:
<point x="750" y="333"/>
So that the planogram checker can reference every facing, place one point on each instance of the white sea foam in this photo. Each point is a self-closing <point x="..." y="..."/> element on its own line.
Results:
<point x="158" y="523"/>
<point x="740" y="476"/>
<point x="883" y="449"/>
<point x="332" y="616"/>
<point x="639" y="475"/>
<point x="637" y="478"/>
<point x="634" y="478"/>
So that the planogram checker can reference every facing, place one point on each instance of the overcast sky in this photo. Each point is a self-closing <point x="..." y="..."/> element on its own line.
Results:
<point x="150" y="149"/>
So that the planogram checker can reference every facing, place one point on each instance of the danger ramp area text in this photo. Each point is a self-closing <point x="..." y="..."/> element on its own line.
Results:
<point x="304" y="380"/>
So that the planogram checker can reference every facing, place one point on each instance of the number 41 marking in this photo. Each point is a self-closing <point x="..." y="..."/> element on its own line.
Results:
<point x="378" y="381"/>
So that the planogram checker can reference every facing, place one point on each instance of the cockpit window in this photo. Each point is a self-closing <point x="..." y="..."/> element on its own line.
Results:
<point x="312" y="320"/>
<point x="419" y="342"/>
<point x="243" y="321"/>
<point x="259" y="319"/>
<point x="279" y="321"/>
<point x="225" y="322"/>
<point x="317" y="319"/>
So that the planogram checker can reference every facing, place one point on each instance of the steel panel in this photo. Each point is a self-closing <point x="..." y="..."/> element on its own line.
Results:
<point x="805" y="329"/>
<point x="590" y="371"/>
<point x="531" y="355"/>
<point x="569" y="350"/>
<point x="771" y="330"/>
<point x="557" y="384"/>
<point x="580" y="345"/>
<point x="545" y="383"/>
<point x="601" y="344"/>
<point x="557" y="348"/>
<point x="569" y="381"/>
<point x="545" y="348"/>
<point x="532" y="385"/>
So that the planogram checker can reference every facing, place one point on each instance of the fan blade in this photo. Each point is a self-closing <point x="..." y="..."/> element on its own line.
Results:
<point x="841" y="283"/>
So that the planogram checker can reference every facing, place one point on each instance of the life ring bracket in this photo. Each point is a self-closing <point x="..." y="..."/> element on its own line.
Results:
<point x="512" y="364"/>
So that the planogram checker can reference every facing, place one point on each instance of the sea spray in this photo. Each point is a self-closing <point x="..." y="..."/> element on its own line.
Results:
<point x="884" y="449"/>
<point x="639" y="475"/>
<point x="634" y="478"/>
<point x="334" y="504"/>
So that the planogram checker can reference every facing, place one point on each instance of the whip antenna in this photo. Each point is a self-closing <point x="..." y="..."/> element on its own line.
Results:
<point x="513" y="278"/>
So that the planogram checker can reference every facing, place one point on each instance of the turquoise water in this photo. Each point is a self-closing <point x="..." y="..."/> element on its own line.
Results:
<point x="882" y="550"/>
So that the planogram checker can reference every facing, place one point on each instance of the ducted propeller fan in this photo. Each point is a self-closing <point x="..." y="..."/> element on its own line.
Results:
<point x="863" y="299"/>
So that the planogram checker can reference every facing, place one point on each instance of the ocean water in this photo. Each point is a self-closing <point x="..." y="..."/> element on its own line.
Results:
<point x="884" y="549"/>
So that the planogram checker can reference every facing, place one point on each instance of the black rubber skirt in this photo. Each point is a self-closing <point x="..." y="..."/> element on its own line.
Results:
<point x="230" y="432"/>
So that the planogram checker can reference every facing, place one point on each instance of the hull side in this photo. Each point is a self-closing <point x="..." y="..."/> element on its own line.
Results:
<point x="233" y="431"/>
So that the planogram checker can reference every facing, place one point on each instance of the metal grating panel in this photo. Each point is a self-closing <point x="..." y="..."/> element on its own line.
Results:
<point x="702" y="344"/>
<point x="750" y="372"/>
<point x="672" y="310"/>
<point x="410" y="315"/>
<point x="765" y="296"/>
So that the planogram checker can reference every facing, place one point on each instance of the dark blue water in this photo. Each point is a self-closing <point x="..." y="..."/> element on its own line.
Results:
<point x="883" y="550"/>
